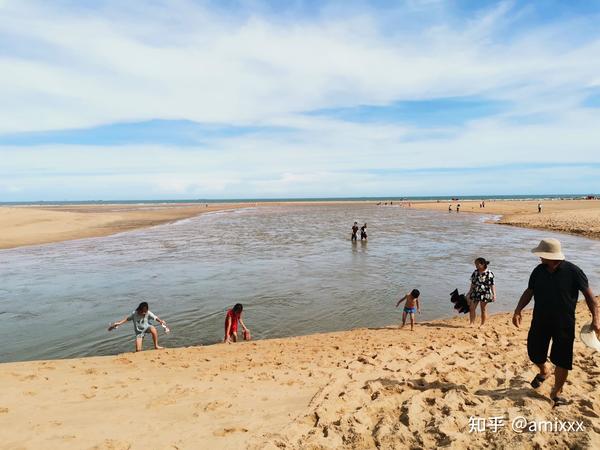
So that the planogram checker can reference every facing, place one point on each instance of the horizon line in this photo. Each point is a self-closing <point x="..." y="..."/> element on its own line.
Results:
<point x="274" y="199"/>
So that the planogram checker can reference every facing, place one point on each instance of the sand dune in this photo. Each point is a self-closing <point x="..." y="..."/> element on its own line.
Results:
<point x="366" y="388"/>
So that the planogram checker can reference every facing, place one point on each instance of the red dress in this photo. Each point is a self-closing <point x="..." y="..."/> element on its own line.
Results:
<point x="234" y="321"/>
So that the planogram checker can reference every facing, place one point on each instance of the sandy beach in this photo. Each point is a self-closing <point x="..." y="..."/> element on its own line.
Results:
<point x="580" y="217"/>
<point x="365" y="388"/>
<point x="42" y="225"/>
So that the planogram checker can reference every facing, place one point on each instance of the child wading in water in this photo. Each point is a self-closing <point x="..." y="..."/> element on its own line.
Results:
<point x="412" y="305"/>
<point x="141" y="326"/>
<point x="231" y="324"/>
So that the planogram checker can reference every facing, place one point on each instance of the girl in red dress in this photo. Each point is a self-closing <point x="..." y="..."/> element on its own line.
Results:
<point x="233" y="316"/>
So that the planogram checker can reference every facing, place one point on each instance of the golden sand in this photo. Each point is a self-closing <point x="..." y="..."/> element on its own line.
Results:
<point x="41" y="225"/>
<point x="366" y="388"/>
<point x="568" y="216"/>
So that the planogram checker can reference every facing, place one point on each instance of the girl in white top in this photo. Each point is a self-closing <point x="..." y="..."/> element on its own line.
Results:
<point x="141" y="325"/>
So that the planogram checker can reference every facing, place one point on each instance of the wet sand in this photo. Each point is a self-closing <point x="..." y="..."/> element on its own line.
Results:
<point x="366" y="388"/>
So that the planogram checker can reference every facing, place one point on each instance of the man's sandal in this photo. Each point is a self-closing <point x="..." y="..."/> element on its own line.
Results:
<point x="561" y="401"/>
<point x="537" y="381"/>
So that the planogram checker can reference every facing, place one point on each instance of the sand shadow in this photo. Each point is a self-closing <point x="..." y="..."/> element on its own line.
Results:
<point x="515" y="394"/>
<point x="420" y="384"/>
<point x="440" y="325"/>
<point x="390" y="328"/>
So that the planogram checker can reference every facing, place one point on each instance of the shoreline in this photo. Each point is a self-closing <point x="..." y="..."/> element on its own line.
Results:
<point x="36" y="225"/>
<point x="44" y="224"/>
<point x="367" y="387"/>
<point x="576" y="217"/>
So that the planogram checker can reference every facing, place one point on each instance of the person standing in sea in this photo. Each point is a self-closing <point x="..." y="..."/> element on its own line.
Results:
<point x="555" y="285"/>
<point x="363" y="232"/>
<point x="482" y="290"/>
<point x="354" y="232"/>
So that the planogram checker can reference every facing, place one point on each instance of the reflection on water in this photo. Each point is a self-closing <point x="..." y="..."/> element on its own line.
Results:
<point x="294" y="269"/>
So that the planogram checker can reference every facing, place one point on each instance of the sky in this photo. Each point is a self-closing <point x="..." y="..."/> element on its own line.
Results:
<point x="189" y="99"/>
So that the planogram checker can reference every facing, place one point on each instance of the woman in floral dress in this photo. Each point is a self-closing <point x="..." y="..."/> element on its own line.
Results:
<point x="482" y="290"/>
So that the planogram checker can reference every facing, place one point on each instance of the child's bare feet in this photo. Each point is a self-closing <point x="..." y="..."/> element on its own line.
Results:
<point x="158" y="347"/>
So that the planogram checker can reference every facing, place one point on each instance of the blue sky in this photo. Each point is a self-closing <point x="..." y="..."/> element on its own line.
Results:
<point x="193" y="99"/>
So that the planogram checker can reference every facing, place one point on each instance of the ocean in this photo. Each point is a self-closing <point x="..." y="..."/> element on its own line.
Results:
<point x="301" y="199"/>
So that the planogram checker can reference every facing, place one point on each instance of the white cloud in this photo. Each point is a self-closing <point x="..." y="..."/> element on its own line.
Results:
<point x="322" y="158"/>
<point x="180" y="60"/>
<point x="124" y="61"/>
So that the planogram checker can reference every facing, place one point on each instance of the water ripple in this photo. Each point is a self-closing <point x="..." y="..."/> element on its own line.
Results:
<point x="294" y="269"/>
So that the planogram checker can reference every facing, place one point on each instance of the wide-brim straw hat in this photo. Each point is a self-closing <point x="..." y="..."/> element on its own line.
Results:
<point x="549" y="249"/>
<point x="588" y="337"/>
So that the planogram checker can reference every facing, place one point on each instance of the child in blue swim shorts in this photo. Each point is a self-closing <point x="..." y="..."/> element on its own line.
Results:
<point x="411" y="306"/>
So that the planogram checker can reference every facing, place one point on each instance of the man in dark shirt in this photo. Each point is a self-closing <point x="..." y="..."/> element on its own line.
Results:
<point x="555" y="285"/>
<point x="354" y="231"/>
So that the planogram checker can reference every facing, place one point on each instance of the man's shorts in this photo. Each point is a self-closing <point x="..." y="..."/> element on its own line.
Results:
<point x="562" y="336"/>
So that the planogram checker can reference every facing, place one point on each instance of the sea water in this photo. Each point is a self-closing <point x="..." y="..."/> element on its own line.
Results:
<point x="294" y="268"/>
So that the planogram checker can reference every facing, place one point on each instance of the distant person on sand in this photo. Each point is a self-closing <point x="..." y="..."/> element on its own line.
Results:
<point x="363" y="232"/>
<point x="354" y="231"/>
<point x="482" y="290"/>
<point x="555" y="284"/>
<point x="449" y="207"/>
<point x="141" y="325"/>
<point x="411" y="306"/>
<point x="233" y="316"/>
<point x="539" y="207"/>
<point x="458" y="207"/>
